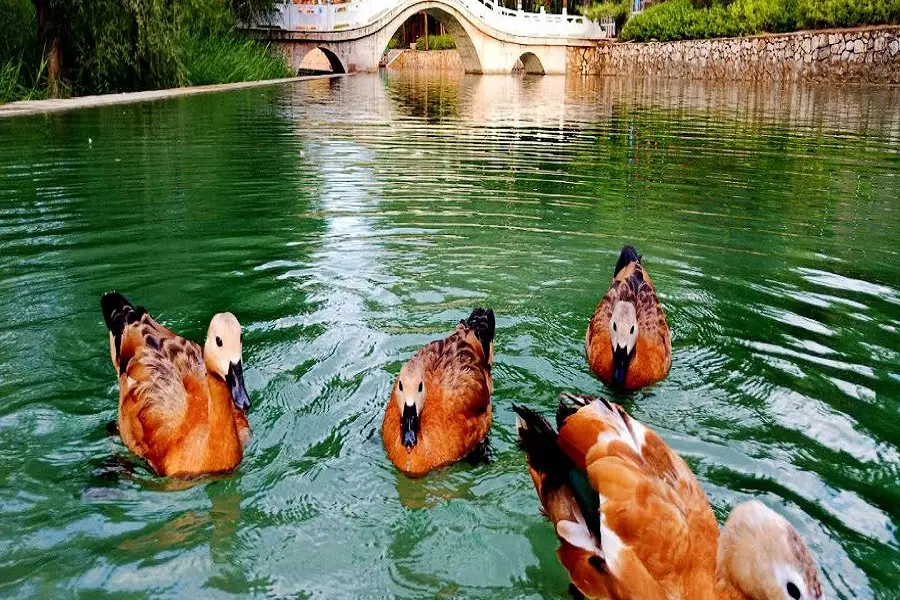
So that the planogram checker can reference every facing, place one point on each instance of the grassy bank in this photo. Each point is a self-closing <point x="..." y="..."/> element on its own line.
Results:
<point x="109" y="46"/>
<point x="697" y="19"/>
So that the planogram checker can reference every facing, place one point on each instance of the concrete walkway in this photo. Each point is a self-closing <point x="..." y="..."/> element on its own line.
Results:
<point x="36" y="107"/>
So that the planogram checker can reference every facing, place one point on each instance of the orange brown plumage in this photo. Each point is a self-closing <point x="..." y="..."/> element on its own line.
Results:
<point x="634" y="523"/>
<point x="181" y="407"/>
<point x="619" y="357"/>
<point x="444" y="410"/>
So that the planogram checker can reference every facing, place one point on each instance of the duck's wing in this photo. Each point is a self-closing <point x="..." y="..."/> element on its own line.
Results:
<point x="460" y="373"/>
<point x="652" y="527"/>
<point x="159" y="373"/>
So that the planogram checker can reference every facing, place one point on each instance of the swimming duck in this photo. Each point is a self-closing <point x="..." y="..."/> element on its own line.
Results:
<point x="628" y="344"/>
<point x="440" y="406"/>
<point x="633" y="522"/>
<point x="181" y="407"/>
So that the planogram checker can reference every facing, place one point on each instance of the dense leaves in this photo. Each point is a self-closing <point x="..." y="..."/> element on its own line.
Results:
<point x="618" y="11"/>
<point x="693" y="19"/>
<point x="436" y="42"/>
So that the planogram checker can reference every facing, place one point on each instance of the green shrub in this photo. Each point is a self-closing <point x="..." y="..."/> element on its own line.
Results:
<point x="693" y="19"/>
<point x="393" y="43"/>
<point x="812" y="14"/>
<point x="436" y="42"/>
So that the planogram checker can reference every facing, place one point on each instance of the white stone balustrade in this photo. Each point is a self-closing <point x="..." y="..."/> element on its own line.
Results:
<point x="359" y="13"/>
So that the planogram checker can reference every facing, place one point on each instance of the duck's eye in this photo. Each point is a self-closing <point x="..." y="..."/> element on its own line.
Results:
<point x="420" y="387"/>
<point x="400" y="384"/>
<point x="632" y="329"/>
<point x="793" y="591"/>
<point x="218" y="341"/>
<point x="614" y="326"/>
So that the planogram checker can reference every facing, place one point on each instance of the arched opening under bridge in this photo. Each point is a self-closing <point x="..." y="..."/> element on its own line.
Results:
<point x="529" y="64"/>
<point x="437" y="17"/>
<point x="320" y="60"/>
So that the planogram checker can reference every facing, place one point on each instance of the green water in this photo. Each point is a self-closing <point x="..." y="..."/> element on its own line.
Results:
<point x="347" y="222"/>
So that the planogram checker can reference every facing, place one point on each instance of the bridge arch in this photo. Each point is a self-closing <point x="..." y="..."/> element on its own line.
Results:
<point x="337" y="65"/>
<point x="454" y="23"/>
<point x="531" y="64"/>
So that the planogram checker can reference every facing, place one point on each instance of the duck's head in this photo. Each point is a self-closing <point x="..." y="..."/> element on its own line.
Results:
<point x="623" y="333"/>
<point x="763" y="556"/>
<point x="222" y="354"/>
<point x="409" y="393"/>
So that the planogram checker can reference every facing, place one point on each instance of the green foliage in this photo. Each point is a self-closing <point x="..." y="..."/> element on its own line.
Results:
<point x="17" y="83"/>
<point x="18" y="30"/>
<point x="393" y="43"/>
<point x="436" y="42"/>
<point x="618" y="11"/>
<point x="812" y="14"/>
<point x="223" y="58"/>
<point x="248" y="10"/>
<point x="694" y="19"/>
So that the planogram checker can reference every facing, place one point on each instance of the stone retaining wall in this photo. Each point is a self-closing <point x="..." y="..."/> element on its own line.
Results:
<point x="870" y="55"/>
<point x="427" y="60"/>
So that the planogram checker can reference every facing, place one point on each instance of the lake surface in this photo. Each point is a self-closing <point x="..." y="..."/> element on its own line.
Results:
<point x="347" y="222"/>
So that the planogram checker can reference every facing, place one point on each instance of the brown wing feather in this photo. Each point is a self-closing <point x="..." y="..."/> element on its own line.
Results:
<point x="162" y="371"/>
<point x="653" y="351"/>
<point x="658" y="533"/>
<point x="458" y="366"/>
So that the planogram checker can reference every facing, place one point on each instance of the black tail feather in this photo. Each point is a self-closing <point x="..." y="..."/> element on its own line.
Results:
<point x="627" y="256"/>
<point x="481" y="321"/>
<point x="119" y="312"/>
<point x="539" y="441"/>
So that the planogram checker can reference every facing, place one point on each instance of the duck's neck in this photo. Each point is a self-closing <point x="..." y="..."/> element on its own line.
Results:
<point x="221" y="415"/>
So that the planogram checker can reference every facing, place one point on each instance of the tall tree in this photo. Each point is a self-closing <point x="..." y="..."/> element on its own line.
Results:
<point x="49" y="39"/>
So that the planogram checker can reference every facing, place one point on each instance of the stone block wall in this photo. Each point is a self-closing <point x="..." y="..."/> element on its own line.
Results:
<point x="427" y="60"/>
<point x="869" y="55"/>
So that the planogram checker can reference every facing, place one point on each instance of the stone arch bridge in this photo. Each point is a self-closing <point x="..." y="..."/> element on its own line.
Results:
<point x="489" y="38"/>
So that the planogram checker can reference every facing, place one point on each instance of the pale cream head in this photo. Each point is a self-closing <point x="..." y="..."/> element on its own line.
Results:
<point x="623" y="326"/>
<point x="224" y="343"/>
<point x="764" y="557"/>
<point x="409" y="389"/>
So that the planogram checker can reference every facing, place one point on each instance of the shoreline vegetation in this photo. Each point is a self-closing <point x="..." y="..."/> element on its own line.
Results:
<point x="63" y="48"/>
<point x="670" y="20"/>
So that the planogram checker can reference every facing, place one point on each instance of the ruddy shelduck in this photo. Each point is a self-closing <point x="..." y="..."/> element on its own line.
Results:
<point x="440" y="406"/>
<point x="628" y="344"/>
<point x="181" y="407"/>
<point x="634" y="524"/>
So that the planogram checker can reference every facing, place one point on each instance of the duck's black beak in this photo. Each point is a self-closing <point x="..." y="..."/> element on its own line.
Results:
<point x="409" y="426"/>
<point x="235" y="381"/>
<point x="621" y="360"/>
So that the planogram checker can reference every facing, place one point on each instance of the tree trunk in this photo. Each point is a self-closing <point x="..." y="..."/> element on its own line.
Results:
<point x="50" y="42"/>
<point x="425" y="19"/>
